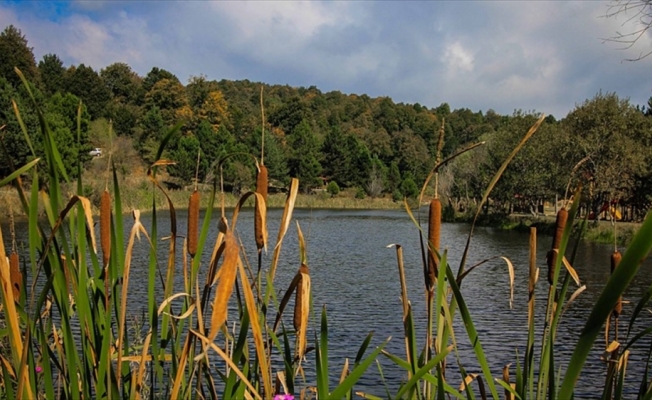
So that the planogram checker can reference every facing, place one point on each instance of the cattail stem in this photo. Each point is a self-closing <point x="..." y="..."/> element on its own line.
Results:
<point x="105" y="226"/>
<point x="434" y="237"/>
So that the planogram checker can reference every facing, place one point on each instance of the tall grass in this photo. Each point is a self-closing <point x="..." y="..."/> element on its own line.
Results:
<point x="224" y="333"/>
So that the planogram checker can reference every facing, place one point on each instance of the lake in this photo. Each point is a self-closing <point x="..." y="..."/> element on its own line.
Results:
<point x="354" y="274"/>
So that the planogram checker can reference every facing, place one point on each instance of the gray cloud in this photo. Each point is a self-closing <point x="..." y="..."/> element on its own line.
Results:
<point x="544" y="56"/>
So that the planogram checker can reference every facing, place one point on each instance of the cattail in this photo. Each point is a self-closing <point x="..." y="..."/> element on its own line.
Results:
<point x="560" y="225"/>
<point x="615" y="260"/>
<point x="299" y="298"/>
<point x="105" y="226"/>
<point x="15" y="274"/>
<point x="193" y="222"/>
<point x="434" y="235"/>
<point x="261" y="188"/>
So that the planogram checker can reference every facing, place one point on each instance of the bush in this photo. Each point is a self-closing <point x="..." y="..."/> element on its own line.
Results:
<point x="333" y="188"/>
<point x="409" y="188"/>
<point x="360" y="193"/>
<point x="397" y="195"/>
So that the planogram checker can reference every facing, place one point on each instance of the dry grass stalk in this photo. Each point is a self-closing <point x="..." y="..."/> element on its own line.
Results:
<point x="261" y="188"/>
<point x="105" y="226"/>
<point x="434" y="238"/>
<point x="560" y="225"/>
<point x="193" y="223"/>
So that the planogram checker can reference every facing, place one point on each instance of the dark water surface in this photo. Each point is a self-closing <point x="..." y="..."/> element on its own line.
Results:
<point x="355" y="276"/>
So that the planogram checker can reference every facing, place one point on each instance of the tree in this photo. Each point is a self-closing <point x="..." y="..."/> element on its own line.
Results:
<point x="303" y="161"/>
<point x="615" y="138"/>
<point x="86" y="84"/>
<point x="52" y="74"/>
<point x="14" y="52"/>
<point x="123" y="83"/>
<point x="61" y="114"/>
<point x="155" y="75"/>
<point x="17" y="150"/>
<point x="639" y="14"/>
<point x="170" y="98"/>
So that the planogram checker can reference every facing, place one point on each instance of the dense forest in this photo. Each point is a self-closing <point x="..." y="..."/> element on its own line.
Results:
<point x="335" y="140"/>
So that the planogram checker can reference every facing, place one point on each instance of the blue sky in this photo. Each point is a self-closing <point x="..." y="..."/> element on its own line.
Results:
<point x="544" y="56"/>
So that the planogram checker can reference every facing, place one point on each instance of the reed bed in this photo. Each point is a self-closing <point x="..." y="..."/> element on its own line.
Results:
<point x="65" y="312"/>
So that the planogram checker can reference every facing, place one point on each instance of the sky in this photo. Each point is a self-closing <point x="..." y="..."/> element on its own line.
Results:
<point x="539" y="56"/>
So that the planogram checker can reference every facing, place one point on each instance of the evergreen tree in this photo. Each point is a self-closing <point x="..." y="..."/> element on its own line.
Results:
<point x="14" y="52"/>
<point x="303" y="161"/>
<point x="52" y="74"/>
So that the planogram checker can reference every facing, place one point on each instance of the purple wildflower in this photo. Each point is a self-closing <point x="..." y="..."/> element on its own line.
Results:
<point x="39" y="369"/>
<point x="284" y="397"/>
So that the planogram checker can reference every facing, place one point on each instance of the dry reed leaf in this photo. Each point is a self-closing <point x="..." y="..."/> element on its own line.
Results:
<point x="105" y="226"/>
<point x="302" y="311"/>
<point x="260" y="229"/>
<point x="622" y="362"/>
<point x="286" y="299"/>
<point x="228" y="360"/>
<point x="7" y="365"/>
<point x="12" y="320"/>
<point x="136" y="229"/>
<point x="138" y="383"/>
<point x="179" y="378"/>
<point x="573" y="297"/>
<point x="510" y="268"/>
<point x="193" y="223"/>
<point x="345" y="370"/>
<point x="225" y="284"/>
<point x="256" y="331"/>
<point x="285" y="223"/>
<point x="508" y="394"/>
<point x="571" y="271"/>
<point x="467" y="381"/>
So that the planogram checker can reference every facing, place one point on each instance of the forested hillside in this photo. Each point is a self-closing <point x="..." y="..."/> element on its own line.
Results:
<point x="374" y="145"/>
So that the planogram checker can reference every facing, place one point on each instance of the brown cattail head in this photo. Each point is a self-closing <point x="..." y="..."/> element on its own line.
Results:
<point x="193" y="223"/>
<point x="261" y="188"/>
<point x="615" y="260"/>
<point x="560" y="225"/>
<point x="299" y="298"/>
<point x="105" y="226"/>
<point x="434" y="236"/>
<point x="15" y="275"/>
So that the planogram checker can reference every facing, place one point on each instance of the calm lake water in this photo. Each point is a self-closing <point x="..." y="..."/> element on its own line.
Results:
<point x="355" y="276"/>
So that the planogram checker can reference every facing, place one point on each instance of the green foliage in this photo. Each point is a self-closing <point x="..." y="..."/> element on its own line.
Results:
<point x="333" y="188"/>
<point x="52" y="74"/>
<point x="61" y="115"/>
<point x="409" y="188"/>
<point x="15" y="53"/>
<point x="85" y="83"/>
<point x="303" y="162"/>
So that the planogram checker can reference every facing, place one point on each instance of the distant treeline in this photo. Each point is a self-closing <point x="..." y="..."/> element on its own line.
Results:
<point x="373" y="145"/>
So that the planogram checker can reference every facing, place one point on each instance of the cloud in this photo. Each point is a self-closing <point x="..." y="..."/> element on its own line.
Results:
<point x="544" y="55"/>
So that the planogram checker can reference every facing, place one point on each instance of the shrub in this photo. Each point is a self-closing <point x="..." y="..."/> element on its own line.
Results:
<point x="333" y="188"/>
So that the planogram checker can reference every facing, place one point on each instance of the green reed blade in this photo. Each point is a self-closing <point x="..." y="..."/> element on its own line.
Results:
<point x="421" y="372"/>
<point x="322" y="357"/>
<point x="23" y="128"/>
<point x="19" y="172"/>
<point x="471" y="332"/>
<point x="344" y="387"/>
<point x="638" y="250"/>
<point x="363" y="348"/>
